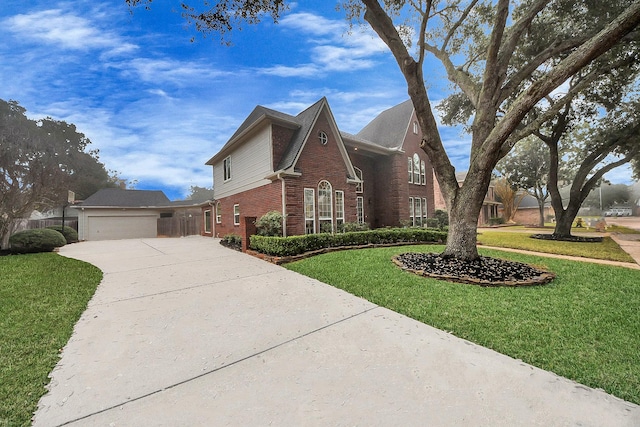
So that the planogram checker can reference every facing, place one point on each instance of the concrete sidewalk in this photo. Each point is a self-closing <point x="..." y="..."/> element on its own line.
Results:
<point x="183" y="332"/>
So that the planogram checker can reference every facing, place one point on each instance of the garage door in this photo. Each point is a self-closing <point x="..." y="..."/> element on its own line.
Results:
<point x="121" y="227"/>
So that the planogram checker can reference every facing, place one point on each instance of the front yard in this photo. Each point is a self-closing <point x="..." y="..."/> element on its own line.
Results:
<point x="41" y="298"/>
<point x="585" y="325"/>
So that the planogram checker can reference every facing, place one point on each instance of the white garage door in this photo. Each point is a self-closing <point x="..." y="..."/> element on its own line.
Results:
<point x="121" y="227"/>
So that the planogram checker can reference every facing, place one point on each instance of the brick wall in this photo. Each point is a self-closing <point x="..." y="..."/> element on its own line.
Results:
<point x="254" y="202"/>
<point x="280" y="138"/>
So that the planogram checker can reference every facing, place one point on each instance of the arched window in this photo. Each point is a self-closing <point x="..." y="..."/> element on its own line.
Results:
<point x="325" y="207"/>
<point x="359" y="175"/>
<point x="323" y="138"/>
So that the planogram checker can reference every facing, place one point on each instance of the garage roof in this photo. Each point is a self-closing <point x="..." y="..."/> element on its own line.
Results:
<point x="116" y="197"/>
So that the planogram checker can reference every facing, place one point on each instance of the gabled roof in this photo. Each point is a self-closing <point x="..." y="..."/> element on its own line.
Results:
<point x="259" y="115"/>
<point x="390" y="127"/>
<point x="305" y="121"/>
<point x="116" y="197"/>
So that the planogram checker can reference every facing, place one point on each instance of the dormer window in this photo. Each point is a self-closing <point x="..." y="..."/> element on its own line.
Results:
<point x="323" y="138"/>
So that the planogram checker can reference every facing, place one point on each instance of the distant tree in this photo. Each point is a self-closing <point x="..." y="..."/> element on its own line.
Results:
<point x="591" y="150"/>
<point x="39" y="162"/>
<point x="527" y="168"/>
<point x="492" y="40"/>
<point x="507" y="194"/>
<point x="200" y="194"/>
<point x="606" y="195"/>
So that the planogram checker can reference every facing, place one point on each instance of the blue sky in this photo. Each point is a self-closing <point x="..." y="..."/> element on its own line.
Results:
<point x="158" y="106"/>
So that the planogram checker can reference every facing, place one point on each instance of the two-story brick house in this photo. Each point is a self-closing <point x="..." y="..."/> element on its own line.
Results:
<point x="319" y="177"/>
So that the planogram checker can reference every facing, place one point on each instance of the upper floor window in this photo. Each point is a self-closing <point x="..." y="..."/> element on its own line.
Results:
<point x="415" y="128"/>
<point x="359" y="175"/>
<point x="323" y="138"/>
<point x="227" y="168"/>
<point x="423" y="173"/>
<point x="416" y="169"/>
<point x="410" y="167"/>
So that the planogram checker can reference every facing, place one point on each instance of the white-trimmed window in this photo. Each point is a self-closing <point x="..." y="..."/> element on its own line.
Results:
<point x="339" y="209"/>
<point x="226" y="164"/>
<point x="236" y="214"/>
<point x="411" y="215"/>
<point x="309" y="211"/>
<point x="418" y="212"/>
<point x="360" y="209"/>
<point x="325" y="207"/>
<point x="359" y="175"/>
<point x="218" y="213"/>
<point x="423" y="173"/>
<point x="424" y="211"/>
<point x="415" y="128"/>
<point x="322" y="136"/>
<point x="207" y="221"/>
<point x="416" y="169"/>
<point x="410" y="167"/>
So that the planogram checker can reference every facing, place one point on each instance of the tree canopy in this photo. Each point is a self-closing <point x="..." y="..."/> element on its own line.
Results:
<point x="40" y="160"/>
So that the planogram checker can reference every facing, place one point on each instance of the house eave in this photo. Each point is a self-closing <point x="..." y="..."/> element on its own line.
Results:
<point x="231" y="144"/>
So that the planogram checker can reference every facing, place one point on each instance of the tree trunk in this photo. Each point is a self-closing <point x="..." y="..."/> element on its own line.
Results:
<point x="541" y="212"/>
<point x="564" y="221"/>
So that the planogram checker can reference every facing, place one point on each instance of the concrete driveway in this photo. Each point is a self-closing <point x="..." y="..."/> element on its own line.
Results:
<point x="184" y="332"/>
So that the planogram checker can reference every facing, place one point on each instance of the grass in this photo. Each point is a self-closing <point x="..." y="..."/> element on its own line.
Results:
<point x="607" y="249"/>
<point x="585" y="325"/>
<point x="41" y="298"/>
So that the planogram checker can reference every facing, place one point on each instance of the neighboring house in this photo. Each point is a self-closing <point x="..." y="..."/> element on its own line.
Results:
<point x="318" y="177"/>
<point x="490" y="205"/>
<point x="114" y="213"/>
<point x="528" y="212"/>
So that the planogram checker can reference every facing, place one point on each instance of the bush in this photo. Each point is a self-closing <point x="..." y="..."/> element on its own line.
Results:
<point x="37" y="240"/>
<point x="496" y="220"/>
<point x="352" y="226"/>
<point x="442" y="217"/>
<point x="232" y="241"/>
<point x="70" y="234"/>
<point x="296" y="245"/>
<point x="270" y="224"/>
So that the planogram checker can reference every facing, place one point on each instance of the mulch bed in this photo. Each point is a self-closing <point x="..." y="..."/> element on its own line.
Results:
<point x="484" y="271"/>
<point x="581" y="239"/>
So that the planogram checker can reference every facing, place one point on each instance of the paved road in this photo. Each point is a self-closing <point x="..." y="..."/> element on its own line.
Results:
<point x="183" y="332"/>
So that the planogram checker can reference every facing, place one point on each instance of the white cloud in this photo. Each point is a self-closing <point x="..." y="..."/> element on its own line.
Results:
<point x="334" y="47"/>
<point x="166" y="70"/>
<point x="66" y="30"/>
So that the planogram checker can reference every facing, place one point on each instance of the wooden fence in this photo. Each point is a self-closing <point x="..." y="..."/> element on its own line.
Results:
<point x="179" y="226"/>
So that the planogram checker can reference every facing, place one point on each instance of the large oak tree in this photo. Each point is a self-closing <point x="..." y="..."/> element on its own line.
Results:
<point x="485" y="48"/>
<point x="40" y="160"/>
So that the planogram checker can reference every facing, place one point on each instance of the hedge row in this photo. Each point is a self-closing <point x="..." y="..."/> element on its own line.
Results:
<point x="296" y="245"/>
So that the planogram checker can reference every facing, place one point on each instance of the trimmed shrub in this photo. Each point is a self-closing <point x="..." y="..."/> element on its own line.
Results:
<point x="270" y="224"/>
<point x="296" y="245"/>
<point x="232" y="241"/>
<point x="70" y="234"/>
<point x="37" y="240"/>
<point x="352" y="226"/>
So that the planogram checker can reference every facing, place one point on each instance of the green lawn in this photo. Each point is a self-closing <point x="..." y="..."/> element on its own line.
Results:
<point x="607" y="249"/>
<point x="585" y="325"/>
<point x="41" y="298"/>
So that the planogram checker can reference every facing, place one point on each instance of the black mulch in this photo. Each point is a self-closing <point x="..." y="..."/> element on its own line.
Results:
<point x="484" y="271"/>
<point x="582" y="239"/>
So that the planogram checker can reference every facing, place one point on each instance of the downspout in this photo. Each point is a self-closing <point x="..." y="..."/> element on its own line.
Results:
<point x="284" y="205"/>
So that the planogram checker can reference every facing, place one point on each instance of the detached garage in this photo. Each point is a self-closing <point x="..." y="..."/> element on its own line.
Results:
<point x="113" y="213"/>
